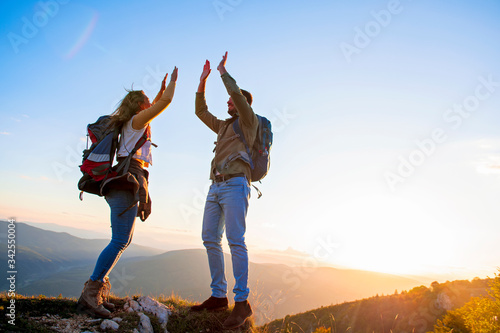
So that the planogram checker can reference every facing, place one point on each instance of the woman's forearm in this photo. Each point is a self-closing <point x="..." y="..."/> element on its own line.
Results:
<point x="145" y="116"/>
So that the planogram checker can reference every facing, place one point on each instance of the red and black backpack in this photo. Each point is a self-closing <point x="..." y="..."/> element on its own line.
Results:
<point x="97" y="164"/>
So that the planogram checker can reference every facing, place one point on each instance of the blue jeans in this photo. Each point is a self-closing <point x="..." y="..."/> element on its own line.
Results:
<point x="226" y="206"/>
<point x="122" y="228"/>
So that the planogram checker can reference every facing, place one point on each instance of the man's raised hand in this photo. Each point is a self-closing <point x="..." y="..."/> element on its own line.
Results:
<point x="204" y="76"/>
<point x="221" y="68"/>
<point x="206" y="71"/>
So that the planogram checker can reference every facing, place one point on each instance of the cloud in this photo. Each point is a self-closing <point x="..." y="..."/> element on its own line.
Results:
<point x="38" y="179"/>
<point x="488" y="163"/>
<point x="5" y="133"/>
<point x="24" y="116"/>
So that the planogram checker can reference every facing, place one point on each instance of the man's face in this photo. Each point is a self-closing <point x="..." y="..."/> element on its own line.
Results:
<point x="230" y="108"/>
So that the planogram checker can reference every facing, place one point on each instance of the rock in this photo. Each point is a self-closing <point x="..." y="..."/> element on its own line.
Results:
<point x="147" y="304"/>
<point x="135" y="306"/>
<point x="152" y="306"/>
<point x="109" y="324"/>
<point x="117" y="319"/>
<point x="145" y="324"/>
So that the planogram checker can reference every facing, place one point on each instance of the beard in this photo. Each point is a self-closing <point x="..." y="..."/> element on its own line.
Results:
<point x="232" y="113"/>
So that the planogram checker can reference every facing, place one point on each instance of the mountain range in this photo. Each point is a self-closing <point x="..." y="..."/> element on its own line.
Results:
<point x="57" y="263"/>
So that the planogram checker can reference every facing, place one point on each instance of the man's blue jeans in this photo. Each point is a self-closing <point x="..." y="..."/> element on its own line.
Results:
<point x="122" y="228"/>
<point x="226" y="206"/>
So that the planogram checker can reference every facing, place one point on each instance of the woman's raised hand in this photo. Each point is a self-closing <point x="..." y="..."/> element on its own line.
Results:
<point x="162" y="88"/>
<point x="173" y="76"/>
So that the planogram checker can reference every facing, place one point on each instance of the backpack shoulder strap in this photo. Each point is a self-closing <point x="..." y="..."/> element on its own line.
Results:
<point x="114" y="144"/>
<point x="112" y="152"/>
<point x="123" y="167"/>
<point x="239" y="132"/>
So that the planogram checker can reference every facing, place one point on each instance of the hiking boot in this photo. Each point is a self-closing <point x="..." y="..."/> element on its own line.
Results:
<point x="91" y="300"/>
<point x="105" y="295"/>
<point x="241" y="312"/>
<point x="212" y="304"/>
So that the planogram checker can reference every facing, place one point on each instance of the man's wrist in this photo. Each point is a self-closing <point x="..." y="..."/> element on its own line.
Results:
<point x="222" y="70"/>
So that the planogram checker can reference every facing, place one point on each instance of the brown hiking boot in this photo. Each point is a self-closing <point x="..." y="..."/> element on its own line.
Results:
<point x="105" y="295"/>
<point x="91" y="300"/>
<point x="241" y="312"/>
<point x="212" y="304"/>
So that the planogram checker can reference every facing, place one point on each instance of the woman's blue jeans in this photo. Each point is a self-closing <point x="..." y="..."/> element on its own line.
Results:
<point x="226" y="206"/>
<point x="122" y="228"/>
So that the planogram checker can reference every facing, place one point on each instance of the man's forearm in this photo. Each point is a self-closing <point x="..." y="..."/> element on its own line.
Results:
<point x="240" y="102"/>
<point x="201" y="111"/>
<point x="222" y="70"/>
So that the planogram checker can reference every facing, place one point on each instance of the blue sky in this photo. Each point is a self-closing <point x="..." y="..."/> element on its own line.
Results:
<point x="344" y="123"/>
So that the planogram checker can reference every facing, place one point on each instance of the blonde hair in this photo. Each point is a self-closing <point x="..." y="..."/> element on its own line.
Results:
<point x="129" y="106"/>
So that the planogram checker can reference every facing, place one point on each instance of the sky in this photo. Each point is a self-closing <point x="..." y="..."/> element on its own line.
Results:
<point x="386" y="152"/>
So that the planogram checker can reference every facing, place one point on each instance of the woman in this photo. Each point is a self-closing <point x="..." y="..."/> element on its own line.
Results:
<point x="133" y="115"/>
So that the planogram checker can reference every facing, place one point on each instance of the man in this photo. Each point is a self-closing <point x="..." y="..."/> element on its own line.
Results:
<point x="227" y="200"/>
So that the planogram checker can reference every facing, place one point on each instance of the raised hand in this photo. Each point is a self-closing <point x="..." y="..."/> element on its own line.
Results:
<point x="206" y="71"/>
<point x="173" y="76"/>
<point x="162" y="88"/>
<point x="221" y="68"/>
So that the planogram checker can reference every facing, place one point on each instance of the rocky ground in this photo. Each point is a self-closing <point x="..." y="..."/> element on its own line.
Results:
<point x="138" y="314"/>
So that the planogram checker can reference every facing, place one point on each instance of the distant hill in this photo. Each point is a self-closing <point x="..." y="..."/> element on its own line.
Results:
<point x="40" y="253"/>
<point x="63" y="247"/>
<point x="416" y="311"/>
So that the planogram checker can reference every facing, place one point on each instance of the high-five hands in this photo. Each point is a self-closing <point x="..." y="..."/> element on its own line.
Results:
<point x="206" y="72"/>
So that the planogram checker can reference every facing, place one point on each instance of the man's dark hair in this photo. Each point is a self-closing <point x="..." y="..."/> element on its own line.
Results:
<point x="248" y="96"/>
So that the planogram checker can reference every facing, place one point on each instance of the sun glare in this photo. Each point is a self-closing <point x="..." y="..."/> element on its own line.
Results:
<point x="389" y="234"/>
